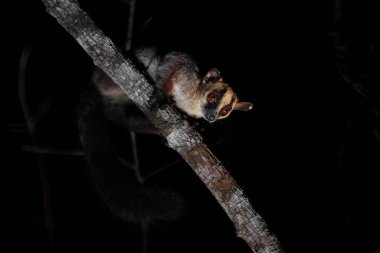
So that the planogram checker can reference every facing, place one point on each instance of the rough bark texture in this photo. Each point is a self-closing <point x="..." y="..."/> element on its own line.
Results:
<point x="180" y="136"/>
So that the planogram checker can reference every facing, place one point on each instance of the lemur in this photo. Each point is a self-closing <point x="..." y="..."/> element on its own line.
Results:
<point x="104" y="108"/>
<point x="176" y="77"/>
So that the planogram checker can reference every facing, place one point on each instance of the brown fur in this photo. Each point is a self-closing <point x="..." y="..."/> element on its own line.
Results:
<point x="177" y="78"/>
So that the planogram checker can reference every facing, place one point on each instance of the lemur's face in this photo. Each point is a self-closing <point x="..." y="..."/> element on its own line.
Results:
<point x="220" y="100"/>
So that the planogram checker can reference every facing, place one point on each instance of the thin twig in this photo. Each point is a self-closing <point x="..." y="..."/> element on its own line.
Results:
<point x="42" y="109"/>
<point x="145" y="238"/>
<point x="51" y="151"/>
<point x="136" y="163"/>
<point x="367" y="98"/>
<point x="31" y="126"/>
<point x="17" y="127"/>
<point x="29" y="120"/>
<point x="162" y="168"/>
<point x="131" y="19"/>
<point x="126" y="163"/>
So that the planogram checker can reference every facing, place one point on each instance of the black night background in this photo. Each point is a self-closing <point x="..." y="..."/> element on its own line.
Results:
<point x="307" y="155"/>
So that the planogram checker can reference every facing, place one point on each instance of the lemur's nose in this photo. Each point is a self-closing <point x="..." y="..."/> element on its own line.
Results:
<point x="211" y="118"/>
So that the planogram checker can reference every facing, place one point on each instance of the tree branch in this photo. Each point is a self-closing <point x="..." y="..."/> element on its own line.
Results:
<point x="180" y="136"/>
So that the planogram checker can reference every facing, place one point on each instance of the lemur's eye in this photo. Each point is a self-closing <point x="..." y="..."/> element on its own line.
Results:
<point x="212" y="98"/>
<point x="225" y="110"/>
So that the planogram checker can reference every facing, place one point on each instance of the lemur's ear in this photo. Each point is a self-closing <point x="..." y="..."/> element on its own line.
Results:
<point x="243" y="106"/>
<point x="213" y="76"/>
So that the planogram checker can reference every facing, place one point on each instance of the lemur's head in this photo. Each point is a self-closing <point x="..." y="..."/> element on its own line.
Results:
<point x="219" y="99"/>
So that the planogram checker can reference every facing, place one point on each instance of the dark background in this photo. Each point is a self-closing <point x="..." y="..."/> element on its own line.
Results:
<point x="307" y="155"/>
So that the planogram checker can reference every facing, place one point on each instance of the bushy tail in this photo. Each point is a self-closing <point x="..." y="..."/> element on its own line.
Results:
<point x="115" y="183"/>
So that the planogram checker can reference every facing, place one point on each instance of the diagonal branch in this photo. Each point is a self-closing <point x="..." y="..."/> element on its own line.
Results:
<point x="180" y="136"/>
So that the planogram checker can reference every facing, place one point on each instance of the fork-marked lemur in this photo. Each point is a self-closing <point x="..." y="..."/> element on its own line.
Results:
<point x="105" y="106"/>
